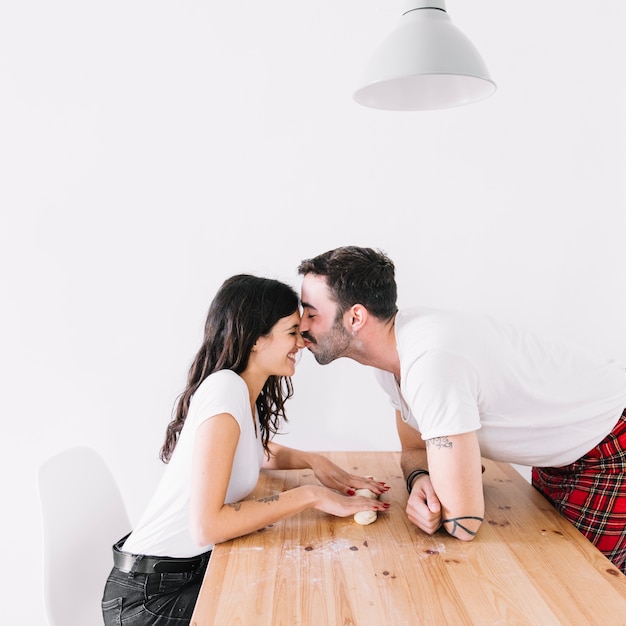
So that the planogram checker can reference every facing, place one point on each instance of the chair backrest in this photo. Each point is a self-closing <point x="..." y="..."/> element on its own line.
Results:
<point x="83" y="516"/>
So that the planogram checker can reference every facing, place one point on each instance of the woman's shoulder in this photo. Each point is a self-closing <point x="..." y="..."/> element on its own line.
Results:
<point x="221" y="392"/>
<point x="223" y="379"/>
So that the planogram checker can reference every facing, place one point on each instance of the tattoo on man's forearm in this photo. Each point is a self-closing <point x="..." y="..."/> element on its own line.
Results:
<point x="439" y="442"/>
<point x="457" y="524"/>
<point x="273" y="498"/>
<point x="235" y="505"/>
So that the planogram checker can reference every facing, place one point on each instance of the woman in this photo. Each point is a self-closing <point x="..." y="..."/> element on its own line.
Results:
<point x="216" y="444"/>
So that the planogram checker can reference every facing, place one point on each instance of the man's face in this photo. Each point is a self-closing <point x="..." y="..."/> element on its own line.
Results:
<point x="324" y="335"/>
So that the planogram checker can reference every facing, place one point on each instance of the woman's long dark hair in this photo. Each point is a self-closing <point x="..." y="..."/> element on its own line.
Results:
<point x="245" y="308"/>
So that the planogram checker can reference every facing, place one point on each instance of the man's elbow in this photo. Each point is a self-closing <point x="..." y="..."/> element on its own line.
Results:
<point x="464" y="528"/>
<point x="466" y="536"/>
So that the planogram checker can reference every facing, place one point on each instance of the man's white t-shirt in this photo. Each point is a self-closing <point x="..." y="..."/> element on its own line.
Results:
<point x="531" y="401"/>
<point x="163" y="529"/>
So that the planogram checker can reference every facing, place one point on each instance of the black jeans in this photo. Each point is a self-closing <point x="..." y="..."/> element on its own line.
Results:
<point x="167" y="599"/>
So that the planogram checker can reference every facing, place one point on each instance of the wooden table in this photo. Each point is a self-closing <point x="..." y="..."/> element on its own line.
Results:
<point x="527" y="565"/>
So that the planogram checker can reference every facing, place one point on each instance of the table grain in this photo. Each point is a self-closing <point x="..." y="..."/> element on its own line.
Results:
<point x="527" y="565"/>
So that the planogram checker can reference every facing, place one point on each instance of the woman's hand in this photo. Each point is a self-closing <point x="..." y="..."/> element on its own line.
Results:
<point x="333" y="477"/>
<point x="334" y="503"/>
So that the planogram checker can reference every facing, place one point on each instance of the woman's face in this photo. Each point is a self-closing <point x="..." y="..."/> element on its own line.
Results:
<point x="275" y="354"/>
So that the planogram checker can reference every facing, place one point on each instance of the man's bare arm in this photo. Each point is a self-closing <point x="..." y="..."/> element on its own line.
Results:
<point x="456" y="475"/>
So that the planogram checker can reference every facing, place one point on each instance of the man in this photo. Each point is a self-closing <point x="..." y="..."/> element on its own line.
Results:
<point x="466" y="386"/>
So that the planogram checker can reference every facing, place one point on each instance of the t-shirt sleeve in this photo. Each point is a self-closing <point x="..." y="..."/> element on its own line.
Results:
<point x="222" y="392"/>
<point x="442" y="390"/>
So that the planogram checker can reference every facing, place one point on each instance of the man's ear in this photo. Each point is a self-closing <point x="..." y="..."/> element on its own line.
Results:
<point x="357" y="317"/>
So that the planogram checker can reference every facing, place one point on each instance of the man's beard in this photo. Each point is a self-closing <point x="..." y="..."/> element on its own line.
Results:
<point x="333" y="345"/>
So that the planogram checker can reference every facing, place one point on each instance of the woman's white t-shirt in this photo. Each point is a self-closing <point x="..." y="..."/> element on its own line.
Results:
<point x="163" y="529"/>
<point x="531" y="401"/>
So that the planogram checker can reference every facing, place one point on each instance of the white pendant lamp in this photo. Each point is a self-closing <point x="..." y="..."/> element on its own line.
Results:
<point x="425" y="63"/>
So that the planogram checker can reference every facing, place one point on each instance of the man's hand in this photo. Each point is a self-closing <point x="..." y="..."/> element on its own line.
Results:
<point x="423" y="508"/>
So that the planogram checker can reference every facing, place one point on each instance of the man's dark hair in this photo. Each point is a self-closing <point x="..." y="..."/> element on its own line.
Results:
<point x="357" y="275"/>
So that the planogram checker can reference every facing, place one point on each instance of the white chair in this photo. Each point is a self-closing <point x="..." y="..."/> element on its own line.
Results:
<point x="83" y="516"/>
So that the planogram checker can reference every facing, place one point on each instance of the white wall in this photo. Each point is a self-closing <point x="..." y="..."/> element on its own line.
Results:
<point x="150" y="149"/>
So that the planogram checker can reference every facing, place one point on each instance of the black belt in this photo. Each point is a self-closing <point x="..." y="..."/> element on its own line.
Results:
<point x="142" y="564"/>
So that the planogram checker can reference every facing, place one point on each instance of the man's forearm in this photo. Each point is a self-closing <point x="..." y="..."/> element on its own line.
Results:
<point x="413" y="459"/>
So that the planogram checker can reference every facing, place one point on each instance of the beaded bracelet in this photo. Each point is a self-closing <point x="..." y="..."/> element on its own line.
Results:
<point x="410" y="479"/>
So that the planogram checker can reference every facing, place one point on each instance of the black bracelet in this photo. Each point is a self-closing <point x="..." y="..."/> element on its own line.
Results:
<point x="410" y="479"/>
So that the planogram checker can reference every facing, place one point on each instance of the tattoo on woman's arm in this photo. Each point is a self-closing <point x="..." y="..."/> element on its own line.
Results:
<point x="273" y="498"/>
<point x="237" y="505"/>
<point x="457" y="524"/>
<point x="439" y="442"/>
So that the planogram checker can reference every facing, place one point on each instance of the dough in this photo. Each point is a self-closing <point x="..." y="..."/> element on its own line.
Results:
<point x="366" y="493"/>
<point x="365" y="517"/>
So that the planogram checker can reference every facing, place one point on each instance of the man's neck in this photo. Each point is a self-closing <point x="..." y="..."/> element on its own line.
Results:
<point x="376" y="347"/>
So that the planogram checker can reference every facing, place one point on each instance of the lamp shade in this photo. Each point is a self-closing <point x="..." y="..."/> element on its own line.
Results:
<point x="425" y="63"/>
